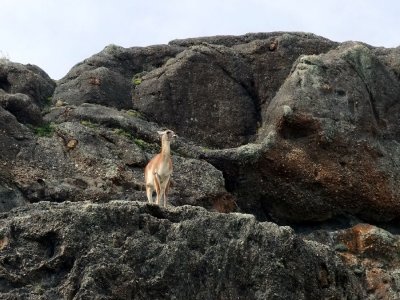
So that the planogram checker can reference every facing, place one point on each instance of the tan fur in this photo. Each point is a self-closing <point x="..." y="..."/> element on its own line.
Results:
<point x="158" y="171"/>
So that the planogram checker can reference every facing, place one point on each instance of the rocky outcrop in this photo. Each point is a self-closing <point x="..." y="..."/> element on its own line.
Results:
<point x="97" y="153"/>
<point x="335" y="143"/>
<point x="215" y="92"/>
<point x="289" y="127"/>
<point x="130" y="250"/>
<point x="24" y="91"/>
<point x="196" y="90"/>
<point x="370" y="252"/>
<point x="107" y="78"/>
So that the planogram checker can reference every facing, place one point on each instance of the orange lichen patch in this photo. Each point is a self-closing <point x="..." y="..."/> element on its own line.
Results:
<point x="377" y="282"/>
<point x="354" y="238"/>
<point x="349" y="258"/>
<point x="94" y="81"/>
<point x="3" y="243"/>
<point x="370" y="241"/>
<point x="347" y="175"/>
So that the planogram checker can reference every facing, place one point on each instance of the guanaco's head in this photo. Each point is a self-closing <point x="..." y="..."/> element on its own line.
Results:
<point x="167" y="135"/>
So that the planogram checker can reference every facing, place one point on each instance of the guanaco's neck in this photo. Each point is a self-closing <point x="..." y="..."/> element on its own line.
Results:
<point x="165" y="148"/>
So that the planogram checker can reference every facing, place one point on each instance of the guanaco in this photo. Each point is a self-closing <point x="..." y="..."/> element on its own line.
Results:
<point x="158" y="171"/>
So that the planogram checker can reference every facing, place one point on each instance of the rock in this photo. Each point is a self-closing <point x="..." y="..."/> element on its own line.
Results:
<point x="371" y="252"/>
<point x="204" y="94"/>
<point x="100" y="86"/>
<point x="22" y="107"/>
<point x="97" y="153"/>
<point x="272" y="56"/>
<point x="133" y="250"/>
<point x="13" y="136"/>
<point x="290" y="127"/>
<point x="24" y="90"/>
<point x="197" y="182"/>
<point x="10" y="196"/>
<point x="30" y="80"/>
<point x="213" y="94"/>
<point x="333" y="143"/>
<point x="106" y="77"/>
<point x="389" y="57"/>
<point x="76" y="161"/>
<point x="371" y="242"/>
<point x="338" y="143"/>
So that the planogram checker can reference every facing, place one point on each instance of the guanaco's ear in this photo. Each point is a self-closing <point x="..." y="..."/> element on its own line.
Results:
<point x="160" y="132"/>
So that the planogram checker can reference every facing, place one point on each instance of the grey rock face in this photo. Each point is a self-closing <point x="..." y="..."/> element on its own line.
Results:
<point x="98" y="153"/>
<point x="10" y="196"/>
<point x="107" y="77"/>
<point x="343" y="126"/>
<point x="214" y="91"/>
<point x="289" y="127"/>
<point x="24" y="90"/>
<point x="26" y="79"/>
<point x="131" y="250"/>
<point x="204" y="94"/>
<point x="22" y="107"/>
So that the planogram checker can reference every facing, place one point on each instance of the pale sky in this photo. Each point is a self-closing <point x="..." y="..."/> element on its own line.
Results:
<point x="57" y="34"/>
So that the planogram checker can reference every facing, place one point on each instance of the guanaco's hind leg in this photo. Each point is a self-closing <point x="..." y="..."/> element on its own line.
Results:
<point x="157" y="185"/>
<point x="149" y="193"/>
<point x="166" y="189"/>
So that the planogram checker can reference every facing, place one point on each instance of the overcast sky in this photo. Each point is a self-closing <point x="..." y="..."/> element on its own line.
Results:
<point x="57" y="34"/>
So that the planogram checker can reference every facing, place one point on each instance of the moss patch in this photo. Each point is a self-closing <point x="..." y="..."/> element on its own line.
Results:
<point x="135" y="113"/>
<point x="145" y="146"/>
<point x="122" y="132"/>
<point x="89" y="124"/>
<point x="45" y="130"/>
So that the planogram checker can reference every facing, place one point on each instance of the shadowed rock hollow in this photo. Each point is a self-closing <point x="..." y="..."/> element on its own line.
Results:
<point x="290" y="127"/>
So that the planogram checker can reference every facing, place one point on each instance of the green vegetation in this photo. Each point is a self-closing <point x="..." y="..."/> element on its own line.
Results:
<point x="135" y="113"/>
<point x="136" y="81"/>
<point x="89" y="124"/>
<point x="46" y="105"/>
<point x="145" y="145"/>
<point x="138" y="78"/>
<point x="45" y="130"/>
<point x="124" y="133"/>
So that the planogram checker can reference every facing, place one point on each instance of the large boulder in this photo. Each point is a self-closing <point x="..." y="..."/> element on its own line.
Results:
<point x="203" y="94"/>
<point x="336" y="127"/>
<point x="213" y="92"/>
<point x="271" y="58"/>
<point x="24" y="90"/>
<point x="13" y="138"/>
<point x="10" y="196"/>
<point x="371" y="252"/>
<point x="106" y="78"/>
<point x="130" y="250"/>
<point x="390" y="57"/>
<point x="22" y="106"/>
